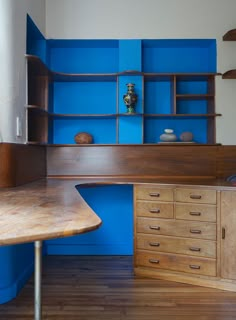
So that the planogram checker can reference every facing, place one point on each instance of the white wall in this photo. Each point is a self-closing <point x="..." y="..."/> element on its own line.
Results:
<point x="12" y="51"/>
<point x="89" y="19"/>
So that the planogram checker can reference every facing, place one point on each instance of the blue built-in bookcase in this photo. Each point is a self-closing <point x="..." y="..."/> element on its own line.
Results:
<point x="174" y="81"/>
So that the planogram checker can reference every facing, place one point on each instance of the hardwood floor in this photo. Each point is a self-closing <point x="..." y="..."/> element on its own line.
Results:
<point x="104" y="287"/>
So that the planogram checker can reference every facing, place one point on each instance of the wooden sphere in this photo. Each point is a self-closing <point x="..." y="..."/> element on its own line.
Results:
<point x="83" y="138"/>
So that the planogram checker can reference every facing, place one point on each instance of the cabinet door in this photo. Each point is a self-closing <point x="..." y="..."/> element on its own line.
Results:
<point x="228" y="239"/>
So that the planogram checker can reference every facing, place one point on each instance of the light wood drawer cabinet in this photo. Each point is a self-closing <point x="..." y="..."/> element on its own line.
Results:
<point x="174" y="262"/>
<point x="189" y="229"/>
<point x="154" y="193"/>
<point x="154" y="209"/>
<point x="195" y="195"/>
<point x="193" y="247"/>
<point x="198" y="212"/>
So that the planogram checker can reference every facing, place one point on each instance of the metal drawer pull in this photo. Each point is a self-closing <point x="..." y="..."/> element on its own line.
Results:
<point x="195" y="231"/>
<point x="223" y="233"/>
<point x="193" y="266"/>
<point x="195" y="249"/>
<point x="192" y="213"/>
<point x="154" y="210"/>
<point x="154" y="194"/>
<point x="154" y="261"/>
<point x="154" y="227"/>
<point x="195" y="196"/>
<point x="154" y="244"/>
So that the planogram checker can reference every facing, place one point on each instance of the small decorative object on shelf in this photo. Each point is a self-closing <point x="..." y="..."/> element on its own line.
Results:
<point x="168" y="136"/>
<point x="83" y="138"/>
<point x="186" y="136"/>
<point x="130" y="98"/>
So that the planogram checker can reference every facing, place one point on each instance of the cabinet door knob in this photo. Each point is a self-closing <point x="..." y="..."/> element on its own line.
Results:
<point x="154" y="210"/>
<point x="195" y="231"/>
<point x="195" y="249"/>
<point x="192" y="213"/>
<point x="154" y="244"/>
<point x="154" y="194"/>
<point x="193" y="266"/>
<point x="195" y="196"/>
<point x="154" y="227"/>
<point x="154" y="261"/>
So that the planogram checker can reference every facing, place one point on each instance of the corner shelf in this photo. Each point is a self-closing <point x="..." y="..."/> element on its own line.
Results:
<point x="230" y="36"/>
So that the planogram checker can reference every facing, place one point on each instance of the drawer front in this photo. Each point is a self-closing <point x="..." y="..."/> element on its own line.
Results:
<point x="179" y="228"/>
<point x="154" y="209"/>
<point x="193" y="247"/>
<point x="198" y="212"/>
<point x="154" y="193"/>
<point x="195" y="195"/>
<point x="173" y="262"/>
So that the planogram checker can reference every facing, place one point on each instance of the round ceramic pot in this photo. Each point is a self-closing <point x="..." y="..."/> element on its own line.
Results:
<point x="168" y="136"/>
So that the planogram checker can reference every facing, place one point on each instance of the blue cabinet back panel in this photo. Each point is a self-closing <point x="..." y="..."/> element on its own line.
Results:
<point x="85" y="97"/>
<point x="153" y="128"/>
<point x="102" y="130"/>
<point x="179" y="55"/>
<point x="84" y="56"/>
<point x="114" y="206"/>
<point x="158" y="97"/>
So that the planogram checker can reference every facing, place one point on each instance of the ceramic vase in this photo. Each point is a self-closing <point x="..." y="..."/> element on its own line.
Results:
<point x="168" y="136"/>
<point x="130" y="98"/>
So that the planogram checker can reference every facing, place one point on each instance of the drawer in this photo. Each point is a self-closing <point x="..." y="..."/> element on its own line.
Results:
<point x="199" y="212"/>
<point x="154" y="209"/>
<point x="173" y="262"/>
<point x="179" y="228"/>
<point x="154" y="193"/>
<point x="193" y="247"/>
<point x="195" y="195"/>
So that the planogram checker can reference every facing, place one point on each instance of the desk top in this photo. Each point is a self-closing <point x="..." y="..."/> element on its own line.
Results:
<point x="53" y="208"/>
<point x="45" y="209"/>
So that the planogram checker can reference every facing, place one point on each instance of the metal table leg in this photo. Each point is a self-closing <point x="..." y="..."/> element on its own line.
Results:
<point x="37" y="279"/>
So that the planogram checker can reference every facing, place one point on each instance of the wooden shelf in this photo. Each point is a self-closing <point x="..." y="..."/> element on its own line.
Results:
<point x="230" y="35"/>
<point x="194" y="96"/>
<point x="183" y="115"/>
<point x="69" y="116"/>
<point x="231" y="74"/>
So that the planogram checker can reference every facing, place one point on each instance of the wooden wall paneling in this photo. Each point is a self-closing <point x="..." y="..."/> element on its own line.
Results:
<point x="21" y="164"/>
<point x="132" y="160"/>
<point x="226" y="161"/>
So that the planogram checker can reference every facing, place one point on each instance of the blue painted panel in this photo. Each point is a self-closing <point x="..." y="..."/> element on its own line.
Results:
<point x="179" y="55"/>
<point x="36" y="44"/>
<point x="154" y="127"/>
<point x="16" y="267"/>
<point x="191" y="87"/>
<point x="130" y="55"/>
<point x="130" y="129"/>
<point x="84" y="97"/>
<point x="158" y="97"/>
<point x="115" y="236"/>
<point x="85" y="56"/>
<point x="191" y="106"/>
<point x="102" y="130"/>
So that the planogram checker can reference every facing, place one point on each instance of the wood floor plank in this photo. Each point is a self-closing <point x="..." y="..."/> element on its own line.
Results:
<point x="105" y="288"/>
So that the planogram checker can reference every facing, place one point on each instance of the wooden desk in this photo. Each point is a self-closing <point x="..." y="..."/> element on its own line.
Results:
<point x="42" y="210"/>
<point x="53" y="208"/>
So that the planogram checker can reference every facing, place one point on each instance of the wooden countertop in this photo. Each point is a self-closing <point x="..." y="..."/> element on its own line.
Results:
<point x="53" y="208"/>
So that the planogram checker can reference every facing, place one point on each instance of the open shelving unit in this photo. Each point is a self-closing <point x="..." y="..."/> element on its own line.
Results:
<point x="74" y="99"/>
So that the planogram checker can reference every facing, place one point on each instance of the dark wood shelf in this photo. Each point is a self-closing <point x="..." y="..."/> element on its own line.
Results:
<point x="133" y="144"/>
<point x="183" y="115"/>
<point x="194" y="96"/>
<point x="231" y="74"/>
<point x="69" y="116"/>
<point x="230" y="35"/>
<point x="79" y="77"/>
<point x="38" y="109"/>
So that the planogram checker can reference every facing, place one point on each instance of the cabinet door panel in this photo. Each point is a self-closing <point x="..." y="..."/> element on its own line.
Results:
<point x="228" y="244"/>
